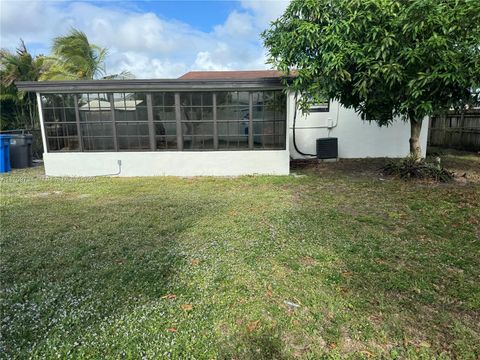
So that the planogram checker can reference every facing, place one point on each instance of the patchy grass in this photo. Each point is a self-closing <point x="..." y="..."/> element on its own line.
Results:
<point x="464" y="164"/>
<point x="203" y="268"/>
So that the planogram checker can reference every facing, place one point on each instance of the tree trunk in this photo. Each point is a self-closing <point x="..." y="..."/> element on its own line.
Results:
<point x="415" y="129"/>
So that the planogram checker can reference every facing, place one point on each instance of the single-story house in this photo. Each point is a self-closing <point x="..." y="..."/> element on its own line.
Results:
<point x="217" y="123"/>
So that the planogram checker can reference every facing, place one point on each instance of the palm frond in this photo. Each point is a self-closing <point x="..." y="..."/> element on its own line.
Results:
<point x="124" y="75"/>
<point x="76" y="57"/>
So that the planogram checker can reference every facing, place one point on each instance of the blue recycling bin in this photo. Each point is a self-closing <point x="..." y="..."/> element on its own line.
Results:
<point x="5" y="153"/>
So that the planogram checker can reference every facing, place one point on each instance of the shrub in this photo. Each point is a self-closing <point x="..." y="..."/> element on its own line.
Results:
<point x="412" y="168"/>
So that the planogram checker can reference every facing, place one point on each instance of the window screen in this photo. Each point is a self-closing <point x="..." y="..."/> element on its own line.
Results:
<point x="197" y="120"/>
<point x="154" y="121"/>
<point x="233" y="119"/>
<point x="165" y="127"/>
<point x="60" y="122"/>
<point x="131" y="121"/>
<point x="269" y="120"/>
<point x="96" y="125"/>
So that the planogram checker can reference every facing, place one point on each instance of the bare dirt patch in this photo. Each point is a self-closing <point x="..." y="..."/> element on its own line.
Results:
<point x="466" y="167"/>
<point x="349" y="167"/>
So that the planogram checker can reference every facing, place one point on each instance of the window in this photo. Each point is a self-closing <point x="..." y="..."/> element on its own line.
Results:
<point x="269" y="120"/>
<point x="196" y="110"/>
<point x="233" y="115"/>
<point x="165" y="127"/>
<point x="165" y="121"/>
<point x="60" y="122"/>
<point x="131" y="121"/>
<point x="320" y="107"/>
<point x="96" y="124"/>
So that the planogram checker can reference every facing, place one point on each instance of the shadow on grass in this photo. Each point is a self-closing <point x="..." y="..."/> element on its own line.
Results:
<point x="86" y="262"/>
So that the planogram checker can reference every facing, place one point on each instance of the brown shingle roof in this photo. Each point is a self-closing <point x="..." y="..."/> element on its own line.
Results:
<point x="216" y="75"/>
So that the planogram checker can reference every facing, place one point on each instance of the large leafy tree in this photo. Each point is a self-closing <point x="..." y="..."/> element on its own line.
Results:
<point x="75" y="58"/>
<point x="18" y="107"/>
<point x="385" y="58"/>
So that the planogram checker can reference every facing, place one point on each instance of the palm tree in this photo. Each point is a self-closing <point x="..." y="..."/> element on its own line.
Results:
<point x="74" y="58"/>
<point x="124" y="75"/>
<point x="18" y="107"/>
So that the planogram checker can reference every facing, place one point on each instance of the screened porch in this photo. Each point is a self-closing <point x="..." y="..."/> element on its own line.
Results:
<point x="164" y="121"/>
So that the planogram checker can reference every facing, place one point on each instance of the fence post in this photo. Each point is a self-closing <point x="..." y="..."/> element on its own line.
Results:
<point x="462" y="127"/>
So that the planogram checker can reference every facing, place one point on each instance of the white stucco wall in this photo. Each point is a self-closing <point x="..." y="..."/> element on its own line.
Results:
<point x="202" y="163"/>
<point x="356" y="138"/>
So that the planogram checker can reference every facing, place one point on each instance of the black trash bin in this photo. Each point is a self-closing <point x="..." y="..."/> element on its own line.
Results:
<point x="21" y="151"/>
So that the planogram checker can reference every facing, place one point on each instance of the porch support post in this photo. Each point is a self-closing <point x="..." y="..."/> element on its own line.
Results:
<point x="250" y="120"/>
<point x="77" y="119"/>
<point x="215" y="126"/>
<point x="42" y="123"/>
<point x="151" y="127"/>
<point x="114" y="126"/>
<point x="178" y="118"/>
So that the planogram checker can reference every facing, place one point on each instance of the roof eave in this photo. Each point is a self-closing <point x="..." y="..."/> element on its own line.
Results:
<point x="149" y="85"/>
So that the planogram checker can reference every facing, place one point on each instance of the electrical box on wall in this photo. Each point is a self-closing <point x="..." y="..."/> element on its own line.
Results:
<point x="327" y="148"/>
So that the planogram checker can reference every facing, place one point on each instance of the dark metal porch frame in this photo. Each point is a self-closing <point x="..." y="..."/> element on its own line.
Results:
<point x="79" y="86"/>
<point x="155" y="85"/>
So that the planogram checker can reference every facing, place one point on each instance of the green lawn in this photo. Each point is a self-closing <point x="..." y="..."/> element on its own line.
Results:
<point x="201" y="268"/>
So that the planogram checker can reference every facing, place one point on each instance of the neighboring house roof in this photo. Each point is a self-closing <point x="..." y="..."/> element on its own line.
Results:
<point x="224" y="75"/>
<point x="96" y="105"/>
<point x="100" y="105"/>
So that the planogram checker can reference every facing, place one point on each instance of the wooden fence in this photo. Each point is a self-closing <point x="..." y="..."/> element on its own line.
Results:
<point x="455" y="130"/>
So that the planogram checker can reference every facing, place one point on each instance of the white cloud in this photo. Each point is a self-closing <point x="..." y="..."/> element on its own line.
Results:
<point x="205" y="61"/>
<point x="144" y="66"/>
<point x="142" y="42"/>
<point x="265" y="10"/>
<point x="238" y="24"/>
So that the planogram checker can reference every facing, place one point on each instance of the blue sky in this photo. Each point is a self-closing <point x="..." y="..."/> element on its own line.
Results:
<point x="203" y="15"/>
<point x="151" y="39"/>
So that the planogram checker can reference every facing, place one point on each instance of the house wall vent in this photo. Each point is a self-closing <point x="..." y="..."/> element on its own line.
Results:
<point x="327" y="148"/>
